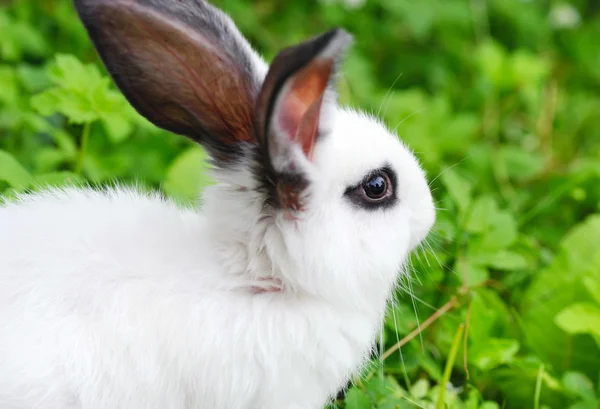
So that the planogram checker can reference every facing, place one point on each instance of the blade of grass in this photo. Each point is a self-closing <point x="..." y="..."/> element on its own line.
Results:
<point x="449" y="365"/>
<point x="85" y="136"/>
<point x="538" y="388"/>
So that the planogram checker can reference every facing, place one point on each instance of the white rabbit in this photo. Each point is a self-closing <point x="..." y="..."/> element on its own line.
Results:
<point x="272" y="295"/>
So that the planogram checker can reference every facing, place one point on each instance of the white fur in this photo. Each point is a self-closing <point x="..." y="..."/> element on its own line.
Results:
<point x="122" y="300"/>
<point x="119" y="299"/>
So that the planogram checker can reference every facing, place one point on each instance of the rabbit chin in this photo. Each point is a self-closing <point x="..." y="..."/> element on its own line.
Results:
<point x="332" y="249"/>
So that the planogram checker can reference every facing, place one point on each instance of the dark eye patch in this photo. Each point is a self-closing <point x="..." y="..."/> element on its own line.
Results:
<point x="377" y="190"/>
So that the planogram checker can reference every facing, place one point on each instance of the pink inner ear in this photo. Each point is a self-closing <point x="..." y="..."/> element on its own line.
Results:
<point x="300" y="108"/>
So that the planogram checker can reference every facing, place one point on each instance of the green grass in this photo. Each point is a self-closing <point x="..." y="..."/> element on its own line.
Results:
<point x="500" y="101"/>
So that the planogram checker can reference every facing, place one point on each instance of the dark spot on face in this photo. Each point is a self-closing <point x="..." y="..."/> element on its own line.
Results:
<point x="282" y="190"/>
<point x="377" y="190"/>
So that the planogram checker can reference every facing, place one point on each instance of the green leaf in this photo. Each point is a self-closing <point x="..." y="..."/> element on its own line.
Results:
<point x="459" y="188"/>
<point x="64" y="141"/>
<point x="378" y="387"/>
<point x="484" y="210"/>
<point x="187" y="175"/>
<point x="593" y="286"/>
<point x="445" y="226"/>
<point x="497" y="228"/>
<point x="420" y="389"/>
<point x="393" y="402"/>
<point x="83" y="95"/>
<point x="579" y="384"/>
<point x="528" y="69"/>
<point x="73" y="106"/>
<point x="580" y="318"/>
<point x="490" y="316"/>
<point x="587" y="404"/>
<point x="117" y="127"/>
<point x="13" y="173"/>
<point x="47" y="159"/>
<point x="56" y="179"/>
<point x="492" y="60"/>
<point x="357" y="399"/>
<point x="519" y="381"/>
<point x="493" y="353"/>
<point x="580" y="246"/>
<point x="19" y="39"/>
<point x="33" y="78"/>
<point x="473" y="399"/>
<point x="9" y="87"/>
<point x="68" y="72"/>
<point x="501" y="260"/>
<point x="556" y="289"/>
<point x="520" y="164"/>
<point x="474" y="272"/>
<point x="501" y="233"/>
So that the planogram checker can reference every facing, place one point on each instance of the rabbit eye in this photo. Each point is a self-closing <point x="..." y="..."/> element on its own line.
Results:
<point x="376" y="190"/>
<point x="376" y="187"/>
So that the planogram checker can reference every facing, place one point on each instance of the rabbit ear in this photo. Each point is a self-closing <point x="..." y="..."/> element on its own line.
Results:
<point x="182" y="64"/>
<point x="293" y="109"/>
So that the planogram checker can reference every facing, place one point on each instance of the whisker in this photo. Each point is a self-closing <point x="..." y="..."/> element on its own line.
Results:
<point x="417" y="254"/>
<point x="440" y="263"/>
<point x="418" y="111"/>
<point x="423" y="250"/>
<point x="414" y="402"/>
<point x="383" y="101"/>
<point x="412" y="298"/>
<point x="402" y="363"/>
<point x="410" y="291"/>
<point x="426" y="243"/>
<point x="447" y="169"/>
<point x="416" y="298"/>
<point x="412" y="269"/>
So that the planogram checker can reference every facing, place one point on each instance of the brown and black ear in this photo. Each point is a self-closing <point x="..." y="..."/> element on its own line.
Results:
<point x="294" y="109"/>
<point x="181" y="64"/>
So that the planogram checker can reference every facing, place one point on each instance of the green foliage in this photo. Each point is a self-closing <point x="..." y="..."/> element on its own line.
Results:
<point x="82" y="95"/>
<point x="498" y="98"/>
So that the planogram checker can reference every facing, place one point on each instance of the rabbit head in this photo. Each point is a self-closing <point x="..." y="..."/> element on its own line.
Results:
<point x="323" y="198"/>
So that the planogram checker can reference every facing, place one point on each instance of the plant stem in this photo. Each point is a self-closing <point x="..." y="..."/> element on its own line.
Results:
<point x="85" y="136"/>
<point x="444" y="309"/>
<point x="466" y="341"/>
<point x="449" y="365"/>
<point x="538" y="388"/>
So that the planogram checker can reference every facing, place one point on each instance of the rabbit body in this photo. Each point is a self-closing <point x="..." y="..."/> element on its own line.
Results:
<point x="116" y="300"/>
<point x="268" y="297"/>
